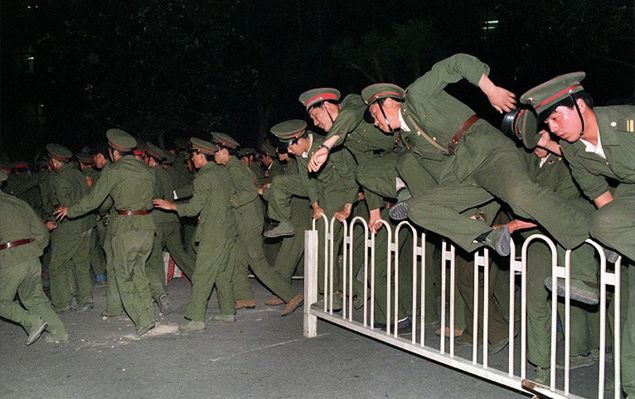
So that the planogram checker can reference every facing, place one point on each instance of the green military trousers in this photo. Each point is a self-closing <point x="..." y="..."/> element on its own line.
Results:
<point x="250" y="253"/>
<point x="114" y="306"/>
<point x="25" y="279"/>
<point x="214" y="266"/>
<point x="130" y="251"/>
<point x="97" y="256"/>
<point x="482" y="169"/>
<point x="70" y="267"/>
<point x="291" y="250"/>
<point x="614" y="224"/>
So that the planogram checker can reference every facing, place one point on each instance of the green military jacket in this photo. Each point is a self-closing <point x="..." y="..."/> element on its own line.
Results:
<point x="19" y="221"/>
<point x="429" y="110"/>
<point x="163" y="189"/>
<point x="68" y="186"/>
<point x="244" y="200"/>
<point x="210" y="200"/>
<point x="359" y="136"/>
<point x="130" y="184"/>
<point x="337" y="175"/>
<point x="617" y="137"/>
<point x="179" y="180"/>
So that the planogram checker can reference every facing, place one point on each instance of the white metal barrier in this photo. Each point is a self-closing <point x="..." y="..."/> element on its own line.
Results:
<point x="516" y="374"/>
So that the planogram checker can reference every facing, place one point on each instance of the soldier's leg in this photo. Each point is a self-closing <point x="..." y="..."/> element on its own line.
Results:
<point x="628" y="334"/>
<point x="80" y="269"/>
<point x="283" y="187"/>
<point x="439" y="210"/>
<point x="172" y="239"/>
<point x="538" y="304"/>
<point x="35" y="301"/>
<point x="504" y="175"/>
<point x="204" y="277"/>
<point x="62" y="249"/>
<point x="223" y="282"/>
<point x="379" y="176"/>
<point x="240" y="279"/>
<point x="130" y="253"/>
<point x="100" y="237"/>
<point x="418" y="180"/>
<point x="10" y="279"/>
<point x="614" y="224"/>
<point x="114" y="306"/>
<point x="155" y="269"/>
<point x="261" y="268"/>
<point x="97" y="257"/>
<point x="359" y="245"/>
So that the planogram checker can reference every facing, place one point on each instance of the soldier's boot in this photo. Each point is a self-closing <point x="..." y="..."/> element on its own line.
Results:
<point x="274" y="301"/>
<point x="165" y="306"/>
<point x="498" y="239"/>
<point x="245" y="303"/>
<point x="143" y="330"/>
<point x="581" y="291"/>
<point x="281" y="230"/>
<point x="337" y="303"/>
<point x="192" y="326"/>
<point x="227" y="318"/>
<point x="36" y="331"/>
<point x="85" y="307"/>
<point x="457" y="332"/>
<point x="399" y="211"/>
<point x="293" y="304"/>
<point x="404" y="326"/>
<point x="56" y="338"/>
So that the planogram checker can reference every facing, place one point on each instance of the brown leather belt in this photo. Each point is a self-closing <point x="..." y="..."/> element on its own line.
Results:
<point x="131" y="213"/>
<point x="457" y="136"/>
<point x="15" y="243"/>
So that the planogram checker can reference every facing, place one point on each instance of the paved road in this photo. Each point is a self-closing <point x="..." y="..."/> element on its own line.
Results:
<point x="260" y="356"/>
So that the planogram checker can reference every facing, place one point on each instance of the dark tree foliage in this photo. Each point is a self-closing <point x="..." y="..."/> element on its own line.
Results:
<point x="161" y="69"/>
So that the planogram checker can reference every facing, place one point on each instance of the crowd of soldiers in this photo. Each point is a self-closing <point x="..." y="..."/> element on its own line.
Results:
<point x="389" y="154"/>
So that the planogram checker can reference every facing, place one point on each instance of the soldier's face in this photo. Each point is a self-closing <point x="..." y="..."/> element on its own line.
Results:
<point x="298" y="147"/>
<point x="565" y="123"/>
<point x="320" y="117"/>
<point x="100" y="160"/>
<point x="380" y="122"/>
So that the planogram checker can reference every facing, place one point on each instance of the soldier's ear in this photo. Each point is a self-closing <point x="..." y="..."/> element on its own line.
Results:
<point x="581" y="104"/>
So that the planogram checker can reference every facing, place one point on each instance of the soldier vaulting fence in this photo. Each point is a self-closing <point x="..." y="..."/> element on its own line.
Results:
<point x="514" y="375"/>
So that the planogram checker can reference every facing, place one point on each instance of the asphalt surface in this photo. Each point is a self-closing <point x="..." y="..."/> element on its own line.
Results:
<point x="261" y="355"/>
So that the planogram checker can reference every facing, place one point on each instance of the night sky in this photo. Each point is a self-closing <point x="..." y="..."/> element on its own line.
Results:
<point x="162" y="69"/>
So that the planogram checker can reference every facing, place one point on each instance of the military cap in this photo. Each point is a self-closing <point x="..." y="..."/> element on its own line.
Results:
<point x="245" y="151"/>
<point x="155" y="151"/>
<point x="203" y="146"/>
<point x="59" y="152"/>
<point x="84" y="157"/>
<point x="224" y="140"/>
<point x="289" y="130"/>
<point x="544" y="96"/>
<point x="120" y="140"/>
<point x="20" y="165"/>
<point x="314" y="96"/>
<point x="522" y="123"/>
<point x="268" y="149"/>
<point x="376" y="91"/>
<point x="3" y="175"/>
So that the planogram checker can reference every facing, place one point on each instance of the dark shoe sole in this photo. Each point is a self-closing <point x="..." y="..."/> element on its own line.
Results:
<point x="589" y="297"/>
<point x="399" y="211"/>
<point x="35" y="335"/>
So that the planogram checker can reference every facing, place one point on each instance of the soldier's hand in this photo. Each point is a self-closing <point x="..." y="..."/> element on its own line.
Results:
<point x="317" y="211"/>
<point x="51" y="225"/>
<point x="517" y="224"/>
<point x="344" y="213"/>
<point x="501" y="99"/>
<point x="374" y="220"/>
<point x="164" y="204"/>
<point x="317" y="160"/>
<point x="60" y="213"/>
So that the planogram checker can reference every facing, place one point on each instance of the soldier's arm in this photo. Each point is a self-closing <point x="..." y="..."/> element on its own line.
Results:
<point x="201" y="190"/>
<point x="447" y="71"/>
<point x="345" y="165"/>
<point x="245" y="189"/>
<point x="347" y="120"/>
<point x="595" y="187"/>
<point x="63" y="191"/>
<point x="96" y="196"/>
<point x="309" y="184"/>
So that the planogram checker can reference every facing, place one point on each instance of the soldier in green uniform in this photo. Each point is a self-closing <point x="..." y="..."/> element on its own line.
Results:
<point x="168" y="232"/>
<point x="129" y="183"/>
<point x="471" y="162"/>
<point x="214" y="239"/>
<point x="291" y="251"/>
<point x="70" y="241"/>
<point x="599" y="145"/>
<point x="331" y="191"/>
<point x="22" y="240"/>
<point x="247" y="209"/>
<point x="97" y="256"/>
